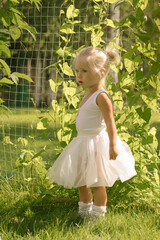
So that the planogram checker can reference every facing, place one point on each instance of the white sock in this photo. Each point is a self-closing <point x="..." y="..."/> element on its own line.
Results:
<point x="98" y="211"/>
<point x="84" y="208"/>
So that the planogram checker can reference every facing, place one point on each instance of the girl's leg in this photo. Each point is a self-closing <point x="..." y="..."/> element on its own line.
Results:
<point x="85" y="194"/>
<point x="100" y="201"/>
<point x="100" y="196"/>
<point x="85" y="203"/>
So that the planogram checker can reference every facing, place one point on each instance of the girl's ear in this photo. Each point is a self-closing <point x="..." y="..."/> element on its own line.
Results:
<point x="102" y="70"/>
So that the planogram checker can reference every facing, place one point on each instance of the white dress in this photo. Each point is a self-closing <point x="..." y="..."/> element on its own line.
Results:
<point x="85" y="161"/>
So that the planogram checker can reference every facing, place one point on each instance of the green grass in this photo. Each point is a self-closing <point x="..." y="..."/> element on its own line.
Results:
<point x="25" y="217"/>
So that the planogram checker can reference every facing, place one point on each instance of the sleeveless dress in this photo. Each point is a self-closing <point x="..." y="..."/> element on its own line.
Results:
<point x="85" y="161"/>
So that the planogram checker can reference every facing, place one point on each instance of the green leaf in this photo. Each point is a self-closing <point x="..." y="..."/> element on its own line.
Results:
<point x="147" y="140"/>
<point x="89" y="28"/>
<point x="142" y="4"/>
<point x="53" y="85"/>
<point x="150" y="102"/>
<point x="5" y="31"/>
<point x="155" y="68"/>
<point x="140" y="14"/>
<point x="22" y="75"/>
<point x="69" y="91"/>
<point x="7" y="140"/>
<point x="156" y="176"/>
<point x="60" y="52"/>
<point x="72" y="12"/>
<point x="110" y="1"/>
<point x="64" y="135"/>
<point x="157" y="21"/>
<point x="125" y="80"/>
<point x="129" y="65"/>
<point x="16" y="33"/>
<point x="43" y="124"/>
<point x="1" y="101"/>
<point x="110" y="23"/>
<point x="55" y="106"/>
<point x="23" y="141"/>
<point x="143" y="36"/>
<point x="64" y="38"/>
<point x="132" y="98"/>
<point x="66" y="69"/>
<point x="63" y="144"/>
<point x="15" y="1"/>
<point x="5" y="65"/>
<point x="30" y="30"/>
<point x="118" y="100"/>
<point x="67" y="117"/>
<point x="147" y="50"/>
<point x="62" y="12"/>
<point x="139" y="76"/>
<point x="17" y="11"/>
<point x="121" y="2"/>
<point x="145" y="113"/>
<point x="5" y="81"/>
<point x="7" y="18"/>
<point x="65" y="28"/>
<point x="113" y="44"/>
<point x="135" y="2"/>
<point x="14" y="78"/>
<point x="96" y="37"/>
<point x="132" y="19"/>
<point x="40" y="126"/>
<point x="29" y="179"/>
<point x="153" y="131"/>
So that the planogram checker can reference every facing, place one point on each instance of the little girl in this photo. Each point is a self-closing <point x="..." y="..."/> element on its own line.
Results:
<point x="95" y="158"/>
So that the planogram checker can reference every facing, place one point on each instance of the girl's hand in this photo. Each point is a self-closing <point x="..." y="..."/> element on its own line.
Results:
<point x="113" y="153"/>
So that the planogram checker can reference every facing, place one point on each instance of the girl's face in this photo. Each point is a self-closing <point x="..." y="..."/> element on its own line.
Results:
<point x="85" y="77"/>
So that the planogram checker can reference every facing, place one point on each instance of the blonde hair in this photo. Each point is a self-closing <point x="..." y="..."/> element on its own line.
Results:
<point x="98" y="59"/>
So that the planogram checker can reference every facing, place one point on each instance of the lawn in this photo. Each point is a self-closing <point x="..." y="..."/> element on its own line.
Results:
<point x="23" y="217"/>
<point x="43" y="216"/>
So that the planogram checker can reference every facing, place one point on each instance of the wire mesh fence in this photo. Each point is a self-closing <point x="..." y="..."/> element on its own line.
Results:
<point x="26" y="100"/>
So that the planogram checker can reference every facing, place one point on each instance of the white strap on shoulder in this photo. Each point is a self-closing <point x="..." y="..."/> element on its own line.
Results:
<point x="103" y="90"/>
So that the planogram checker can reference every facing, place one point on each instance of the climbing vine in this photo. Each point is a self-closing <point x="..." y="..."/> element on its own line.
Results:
<point x="136" y="95"/>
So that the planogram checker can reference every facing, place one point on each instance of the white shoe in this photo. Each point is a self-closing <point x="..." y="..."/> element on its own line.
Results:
<point x="85" y="209"/>
<point x="98" y="211"/>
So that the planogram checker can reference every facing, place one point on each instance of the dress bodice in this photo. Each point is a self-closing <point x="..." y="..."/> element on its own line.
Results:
<point x="89" y="118"/>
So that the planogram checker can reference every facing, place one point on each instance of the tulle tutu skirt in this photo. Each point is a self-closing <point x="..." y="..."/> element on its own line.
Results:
<point x="85" y="161"/>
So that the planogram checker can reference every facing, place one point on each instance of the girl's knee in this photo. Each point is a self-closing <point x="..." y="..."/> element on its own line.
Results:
<point x="97" y="189"/>
<point x="85" y="194"/>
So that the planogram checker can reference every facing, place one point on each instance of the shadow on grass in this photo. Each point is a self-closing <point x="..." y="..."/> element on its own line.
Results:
<point x="37" y="213"/>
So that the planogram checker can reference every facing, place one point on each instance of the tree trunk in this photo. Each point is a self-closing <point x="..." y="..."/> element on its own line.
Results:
<point x="38" y="82"/>
<point x="113" y="35"/>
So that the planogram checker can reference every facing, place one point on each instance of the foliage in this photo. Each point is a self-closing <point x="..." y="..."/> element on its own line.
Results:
<point x="138" y="77"/>
<point x="11" y="28"/>
<point x="30" y="163"/>
<point x="140" y="87"/>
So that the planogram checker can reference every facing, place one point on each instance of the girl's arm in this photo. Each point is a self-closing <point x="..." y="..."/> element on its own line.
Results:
<point x="106" y="108"/>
